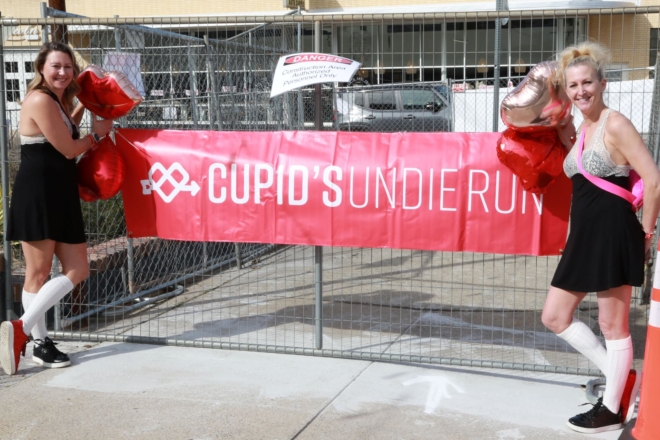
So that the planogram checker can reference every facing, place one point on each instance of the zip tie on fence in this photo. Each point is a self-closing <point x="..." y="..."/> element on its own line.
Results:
<point x="140" y="149"/>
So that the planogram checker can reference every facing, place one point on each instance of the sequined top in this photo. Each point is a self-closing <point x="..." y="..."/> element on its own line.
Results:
<point x="596" y="160"/>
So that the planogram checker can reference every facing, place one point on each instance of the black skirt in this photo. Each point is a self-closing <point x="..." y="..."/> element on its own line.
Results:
<point x="44" y="200"/>
<point x="605" y="246"/>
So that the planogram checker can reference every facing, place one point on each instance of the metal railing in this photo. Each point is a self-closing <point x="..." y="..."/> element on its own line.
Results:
<point x="214" y="73"/>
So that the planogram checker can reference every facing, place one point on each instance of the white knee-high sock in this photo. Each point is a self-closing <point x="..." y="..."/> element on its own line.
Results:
<point x="49" y="294"/>
<point x="585" y="341"/>
<point x="619" y="361"/>
<point x="39" y="331"/>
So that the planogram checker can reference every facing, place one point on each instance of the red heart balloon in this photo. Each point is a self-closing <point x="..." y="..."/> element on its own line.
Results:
<point x="537" y="158"/>
<point x="109" y="95"/>
<point x="536" y="102"/>
<point x="100" y="171"/>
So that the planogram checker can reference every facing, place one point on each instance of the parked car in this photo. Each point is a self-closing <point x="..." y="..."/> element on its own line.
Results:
<point x="417" y="107"/>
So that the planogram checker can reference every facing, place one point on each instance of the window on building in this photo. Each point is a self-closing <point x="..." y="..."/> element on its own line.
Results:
<point x="11" y="66"/>
<point x="307" y="40"/>
<point x="457" y="49"/>
<point x="29" y="67"/>
<point x="13" y="90"/>
<point x="616" y="72"/>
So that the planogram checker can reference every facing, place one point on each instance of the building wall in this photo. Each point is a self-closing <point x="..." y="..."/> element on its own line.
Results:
<point x="334" y="4"/>
<point x="144" y="8"/>
<point x="627" y="37"/>
<point x="20" y="8"/>
<point x="132" y="8"/>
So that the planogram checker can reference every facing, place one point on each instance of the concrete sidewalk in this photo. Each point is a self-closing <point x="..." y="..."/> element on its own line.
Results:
<point x="116" y="391"/>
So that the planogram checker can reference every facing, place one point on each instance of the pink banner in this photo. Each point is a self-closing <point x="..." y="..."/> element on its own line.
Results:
<point x="431" y="191"/>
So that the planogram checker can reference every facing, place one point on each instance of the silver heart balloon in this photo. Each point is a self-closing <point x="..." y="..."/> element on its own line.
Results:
<point x="536" y="101"/>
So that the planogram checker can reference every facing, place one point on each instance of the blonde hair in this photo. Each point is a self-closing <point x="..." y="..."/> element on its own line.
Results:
<point x="584" y="54"/>
<point x="37" y="82"/>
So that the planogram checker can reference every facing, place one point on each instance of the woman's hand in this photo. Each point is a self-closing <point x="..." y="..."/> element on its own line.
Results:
<point x="101" y="126"/>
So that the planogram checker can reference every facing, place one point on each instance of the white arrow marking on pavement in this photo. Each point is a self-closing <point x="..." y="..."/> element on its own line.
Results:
<point x="438" y="389"/>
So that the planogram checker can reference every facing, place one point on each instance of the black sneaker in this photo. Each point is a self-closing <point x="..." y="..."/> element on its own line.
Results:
<point x="597" y="419"/>
<point x="47" y="355"/>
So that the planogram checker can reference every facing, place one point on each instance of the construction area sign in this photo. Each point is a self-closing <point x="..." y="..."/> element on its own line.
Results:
<point x="304" y="69"/>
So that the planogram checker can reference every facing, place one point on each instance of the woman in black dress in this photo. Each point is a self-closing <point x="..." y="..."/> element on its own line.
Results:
<point x="45" y="212"/>
<point x="606" y="246"/>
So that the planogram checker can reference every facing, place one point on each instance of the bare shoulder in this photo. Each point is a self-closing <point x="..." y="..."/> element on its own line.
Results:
<point x="617" y="123"/>
<point x="622" y="134"/>
<point x="38" y="105"/>
<point x="38" y="111"/>
<point x="38" y="100"/>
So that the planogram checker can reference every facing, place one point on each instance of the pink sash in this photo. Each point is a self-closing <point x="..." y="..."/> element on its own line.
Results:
<point x="635" y="198"/>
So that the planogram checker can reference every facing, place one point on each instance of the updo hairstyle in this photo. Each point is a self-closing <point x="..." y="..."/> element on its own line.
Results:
<point x="587" y="53"/>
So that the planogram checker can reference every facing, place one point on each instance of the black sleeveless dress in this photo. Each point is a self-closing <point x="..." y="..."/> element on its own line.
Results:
<point x="605" y="245"/>
<point x="44" y="200"/>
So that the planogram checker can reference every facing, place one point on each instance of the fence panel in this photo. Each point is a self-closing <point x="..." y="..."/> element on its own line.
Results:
<point x="432" y="72"/>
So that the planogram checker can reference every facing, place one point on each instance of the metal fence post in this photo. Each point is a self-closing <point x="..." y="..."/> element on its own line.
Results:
<point x="7" y="305"/>
<point x="301" y="114"/>
<point x="55" y="271"/>
<point x="318" y="250"/>
<point x="130" y="254"/>
<point x="213" y="95"/>
<point x="654" y="141"/>
<point x="192" y="80"/>
<point x="496" y="71"/>
<point x="239" y="258"/>
<point x="44" y="28"/>
<point x="654" y="146"/>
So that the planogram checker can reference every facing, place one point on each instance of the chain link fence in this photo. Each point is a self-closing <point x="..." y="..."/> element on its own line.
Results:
<point x="432" y="72"/>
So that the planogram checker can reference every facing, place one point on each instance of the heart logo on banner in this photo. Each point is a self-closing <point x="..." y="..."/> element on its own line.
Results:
<point x="109" y="95"/>
<point x="101" y="171"/>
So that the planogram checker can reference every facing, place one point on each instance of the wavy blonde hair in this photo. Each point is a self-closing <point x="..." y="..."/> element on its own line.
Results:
<point x="37" y="82"/>
<point x="584" y="54"/>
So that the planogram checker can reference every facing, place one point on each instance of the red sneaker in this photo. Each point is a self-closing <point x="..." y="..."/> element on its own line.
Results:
<point x="629" y="396"/>
<point x="12" y="343"/>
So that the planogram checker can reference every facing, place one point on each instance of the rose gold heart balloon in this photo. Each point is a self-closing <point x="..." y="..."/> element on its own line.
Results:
<point x="536" y="101"/>
<point x="109" y="95"/>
